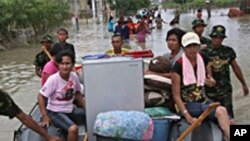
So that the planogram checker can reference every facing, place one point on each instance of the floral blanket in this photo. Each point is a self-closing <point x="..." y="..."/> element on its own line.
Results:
<point x="131" y="125"/>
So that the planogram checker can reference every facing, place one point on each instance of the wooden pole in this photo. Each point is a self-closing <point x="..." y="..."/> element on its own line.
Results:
<point x="198" y="121"/>
<point x="85" y="137"/>
<point x="47" y="52"/>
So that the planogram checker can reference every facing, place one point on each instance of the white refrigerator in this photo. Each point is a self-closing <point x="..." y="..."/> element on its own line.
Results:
<point x="112" y="84"/>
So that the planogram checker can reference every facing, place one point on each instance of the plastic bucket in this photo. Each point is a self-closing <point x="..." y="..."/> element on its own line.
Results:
<point x="161" y="129"/>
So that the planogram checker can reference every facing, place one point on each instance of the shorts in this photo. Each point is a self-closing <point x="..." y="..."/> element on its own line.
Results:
<point x="65" y="120"/>
<point x="226" y="101"/>
<point x="195" y="109"/>
<point x="7" y="106"/>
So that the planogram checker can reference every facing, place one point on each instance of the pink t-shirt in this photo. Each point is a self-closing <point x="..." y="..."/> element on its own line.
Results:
<point x="49" y="69"/>
<point x="141" y="36"/>
<point x="60" y="93"/>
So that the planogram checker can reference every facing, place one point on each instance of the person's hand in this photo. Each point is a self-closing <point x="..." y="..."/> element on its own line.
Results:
<point x="45" y="121"/>
<point x="210" y="82"/>
<point x="232" y="122"/>
<point x="203" y="46"/>
<point x="189" y="118"/>
<point x="245" y="90"/>
<point x="54" y="139"/>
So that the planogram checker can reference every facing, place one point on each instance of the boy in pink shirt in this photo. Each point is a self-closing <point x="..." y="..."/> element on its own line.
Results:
<point x="61" y="89"/>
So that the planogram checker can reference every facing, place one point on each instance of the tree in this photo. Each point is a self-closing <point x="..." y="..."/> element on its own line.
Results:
<point x="6" y="16"/>
<point x="40" y="15"/>
<point x="128" y="7"/>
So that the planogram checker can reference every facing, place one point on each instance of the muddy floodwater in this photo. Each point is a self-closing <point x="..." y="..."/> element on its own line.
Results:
<point x="17" y="74"/>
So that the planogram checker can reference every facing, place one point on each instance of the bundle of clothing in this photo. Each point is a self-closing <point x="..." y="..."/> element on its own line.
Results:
<point x="158" y="88"/>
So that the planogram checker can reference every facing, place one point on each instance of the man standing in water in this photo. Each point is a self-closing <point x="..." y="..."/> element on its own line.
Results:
<point x="42" y="58"/>
<point x="198" y="28"/>
<point x="117" y="42"/>
<point x="122" y="29"/>
<point x="208" y="7"/>
<point x="221" y="57"/>
<point x="10" y="109"/>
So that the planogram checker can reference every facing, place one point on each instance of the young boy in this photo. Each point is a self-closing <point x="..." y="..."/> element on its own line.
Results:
<point x="62" y="36"/>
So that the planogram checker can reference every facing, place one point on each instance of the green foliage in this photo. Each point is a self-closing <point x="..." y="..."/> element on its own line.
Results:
<point x="197" y="3"/>
<point x="224" y="2"/>
<point x="6" y="16"/>
<point x="41" y="15"/>
<point x="128" y="7"/>
<point x="170" y="5"/>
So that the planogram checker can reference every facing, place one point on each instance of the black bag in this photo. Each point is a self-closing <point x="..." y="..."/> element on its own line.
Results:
<point x="160" y="64"/>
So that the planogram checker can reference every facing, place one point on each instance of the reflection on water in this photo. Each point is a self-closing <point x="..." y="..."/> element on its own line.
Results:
<point x="16" y="68"/>
<point x="94" y="38"/>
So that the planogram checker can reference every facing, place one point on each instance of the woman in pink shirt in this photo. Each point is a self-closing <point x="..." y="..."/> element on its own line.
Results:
<point x="142" y="32"/>
<point x="61" y="89"/>
<point x="49" y="69"/>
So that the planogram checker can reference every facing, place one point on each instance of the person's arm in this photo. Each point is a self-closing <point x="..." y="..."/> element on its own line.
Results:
<point x="176" y="90"/>
<point x="148" y="30"/>
<point x="163" y="21"/>
<point x="73" y="50"/>
<point x="30" y="123"/>
<point x="38" y="71"/>
<point x="45" y="77"/>
<point x="80" y="100"/>
<point x="209" y="81"/>
<point x="37" y="66"/>
<point x="116" y="29"/>
<point x="44" y="114"/>
<point x="237" y="70"/>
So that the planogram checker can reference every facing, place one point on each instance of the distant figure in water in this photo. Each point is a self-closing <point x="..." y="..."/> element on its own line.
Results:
<point x="176" y="18"/>
<point x="111" y="24"/>
<point x="142" y="32"/>
<point x="159" y="21"/>
<point x="75" y="23"/>
<point x="199" y="13"/>
<point x="117" y="49"/>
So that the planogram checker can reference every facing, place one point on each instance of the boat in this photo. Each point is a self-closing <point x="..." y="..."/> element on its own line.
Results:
<point x="206" y="131"/>
<point x="172" y="128"/>
<point x="25" y="134"/>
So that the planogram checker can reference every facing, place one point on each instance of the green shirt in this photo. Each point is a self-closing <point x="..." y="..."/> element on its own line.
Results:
<point x="220" y="60"/>
<point x="7" y="105"/>
<point x="41" y="60"/>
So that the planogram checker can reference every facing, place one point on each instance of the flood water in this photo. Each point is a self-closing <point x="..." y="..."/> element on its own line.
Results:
<point x="17" y="74"/>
